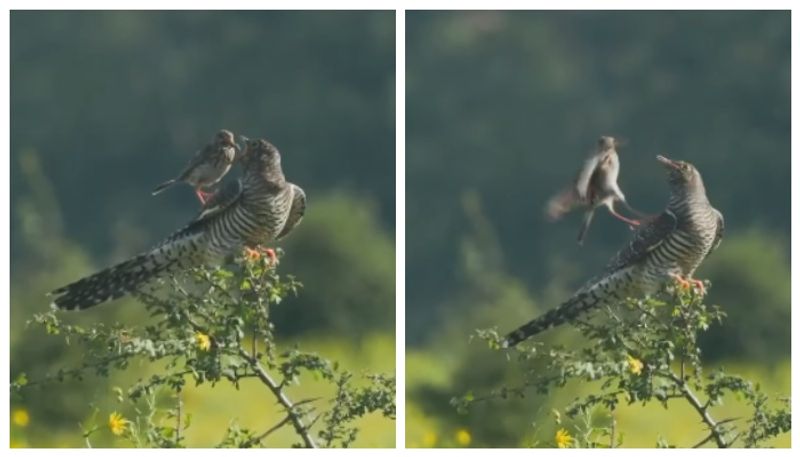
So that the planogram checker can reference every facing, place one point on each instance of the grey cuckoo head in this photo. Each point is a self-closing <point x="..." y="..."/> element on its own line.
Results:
<point x="263" y="156"/>
<point x="683" y="177"/>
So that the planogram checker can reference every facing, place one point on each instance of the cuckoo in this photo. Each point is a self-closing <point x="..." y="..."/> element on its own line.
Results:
<point x="595" y="186"/>
<point x="669" y="246"/>
<point x="208" y="165"/>
<point x="262" y="208"/>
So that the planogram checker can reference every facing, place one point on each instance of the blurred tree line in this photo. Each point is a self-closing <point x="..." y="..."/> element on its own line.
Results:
<point x="105" y="105"/>
<point x="502" y="108"/>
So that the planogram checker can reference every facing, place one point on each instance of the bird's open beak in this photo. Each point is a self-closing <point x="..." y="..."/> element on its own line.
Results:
<point x="667" y="162"/>
<point x="243" y="139"/>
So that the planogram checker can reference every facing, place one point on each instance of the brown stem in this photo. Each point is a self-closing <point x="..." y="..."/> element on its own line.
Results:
<point x="266" y="379"/>
<point x="701" y="410"/>
<point x="178" y="417"/>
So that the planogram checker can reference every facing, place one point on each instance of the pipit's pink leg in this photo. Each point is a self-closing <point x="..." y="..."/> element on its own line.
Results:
<point x="632" y="222"/>
<point x="203" y="196"/>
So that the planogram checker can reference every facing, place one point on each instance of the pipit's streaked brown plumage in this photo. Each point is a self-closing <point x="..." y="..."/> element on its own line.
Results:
<point x="208" y="165"/>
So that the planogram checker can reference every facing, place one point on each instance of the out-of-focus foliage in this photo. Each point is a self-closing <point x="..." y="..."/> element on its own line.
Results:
<point x="214" y="326"/>
<point x="502" y="108"/>
<point x="643" y="352"/>
<point x="105" y="105"/>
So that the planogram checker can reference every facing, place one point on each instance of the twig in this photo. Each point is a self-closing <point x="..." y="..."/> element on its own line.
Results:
<point x="703" y="411"/>
<point x="297" y="421"/>
<point x="178" y="419"/>
<point x="613" y="430"/>
<point x="260" y="437"/>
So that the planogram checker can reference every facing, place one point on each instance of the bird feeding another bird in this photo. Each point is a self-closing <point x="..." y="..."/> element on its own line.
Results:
<point x="667" y="247"/>
<point x="264" y="208"/>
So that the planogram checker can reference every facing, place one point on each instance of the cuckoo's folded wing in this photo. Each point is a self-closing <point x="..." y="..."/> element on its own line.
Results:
<point x="720" y="232"/>
<point x="645" y="239"/>
<point x="297" y="211"/>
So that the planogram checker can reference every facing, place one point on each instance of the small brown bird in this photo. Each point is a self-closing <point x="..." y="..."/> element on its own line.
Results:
<point x="595" y="186"/>
<point x="208" y="165"/>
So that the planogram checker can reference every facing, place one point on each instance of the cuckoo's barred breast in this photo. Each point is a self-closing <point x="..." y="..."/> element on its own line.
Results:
<point x="672" y="244"/>
<point x="258" y="210"/>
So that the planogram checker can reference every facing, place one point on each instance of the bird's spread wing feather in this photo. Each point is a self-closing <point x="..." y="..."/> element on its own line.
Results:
<point x="561" y="204"/>
<point x="585" y="176"/>
<point x="297" y="211"/>
<point x="647" y="238"/>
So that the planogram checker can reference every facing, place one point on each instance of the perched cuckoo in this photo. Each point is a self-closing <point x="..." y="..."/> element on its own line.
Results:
<point x="595" y="186"/>
<point x="265" y="207"/>
<point x="208" y="165"/>
<point x="667" y="247"/>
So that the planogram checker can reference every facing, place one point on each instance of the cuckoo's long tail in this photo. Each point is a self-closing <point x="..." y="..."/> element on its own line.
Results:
<point x="606" y="290"/>
<point x="125" y="277"/>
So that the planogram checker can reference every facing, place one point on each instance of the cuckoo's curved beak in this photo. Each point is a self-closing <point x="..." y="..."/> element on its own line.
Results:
<point x="667" y="162"/>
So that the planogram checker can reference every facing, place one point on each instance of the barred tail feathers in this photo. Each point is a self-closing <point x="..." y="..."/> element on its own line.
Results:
<point x="127" y="276"/>
<point x="605" y="290"/>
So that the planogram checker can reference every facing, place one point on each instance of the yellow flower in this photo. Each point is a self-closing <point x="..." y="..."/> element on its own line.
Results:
<point x="117" y="423"/>
<point x="563" y="439"/>
<point x="20" y="417"/>
<point x="463" y="438"/>
<point x="429" y="439"/>
<point x="635" y="365"/>
<point x="203" y="341"/>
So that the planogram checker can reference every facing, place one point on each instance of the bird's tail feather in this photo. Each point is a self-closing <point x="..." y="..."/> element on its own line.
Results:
<point x="127" y="276"/>
<point x="600" y="292"/>
<point x="587" y="221"/>
<point x="163" y="186"/>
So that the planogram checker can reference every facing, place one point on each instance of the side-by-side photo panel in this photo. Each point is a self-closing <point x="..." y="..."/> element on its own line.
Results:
<point x="202" y="229"/>
<point x="598" y="229"/>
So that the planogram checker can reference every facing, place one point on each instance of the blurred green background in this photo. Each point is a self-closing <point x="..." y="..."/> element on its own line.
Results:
<point x="105" y="105"/>
<point x="502" y="107"/>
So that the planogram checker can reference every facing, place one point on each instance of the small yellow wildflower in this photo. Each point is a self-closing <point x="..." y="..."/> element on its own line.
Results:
<point x="635" y="365"/>
<point x="429" y="439"/>
<point x="563" y="439"/>
<point x="463" y="438"/>
<point x="117" y="423"/>
<point x="20" y="417"/>
<point x="203" y="341"/>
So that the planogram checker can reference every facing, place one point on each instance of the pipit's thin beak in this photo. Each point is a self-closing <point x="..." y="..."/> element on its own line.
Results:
<point x="667" y="162"/>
